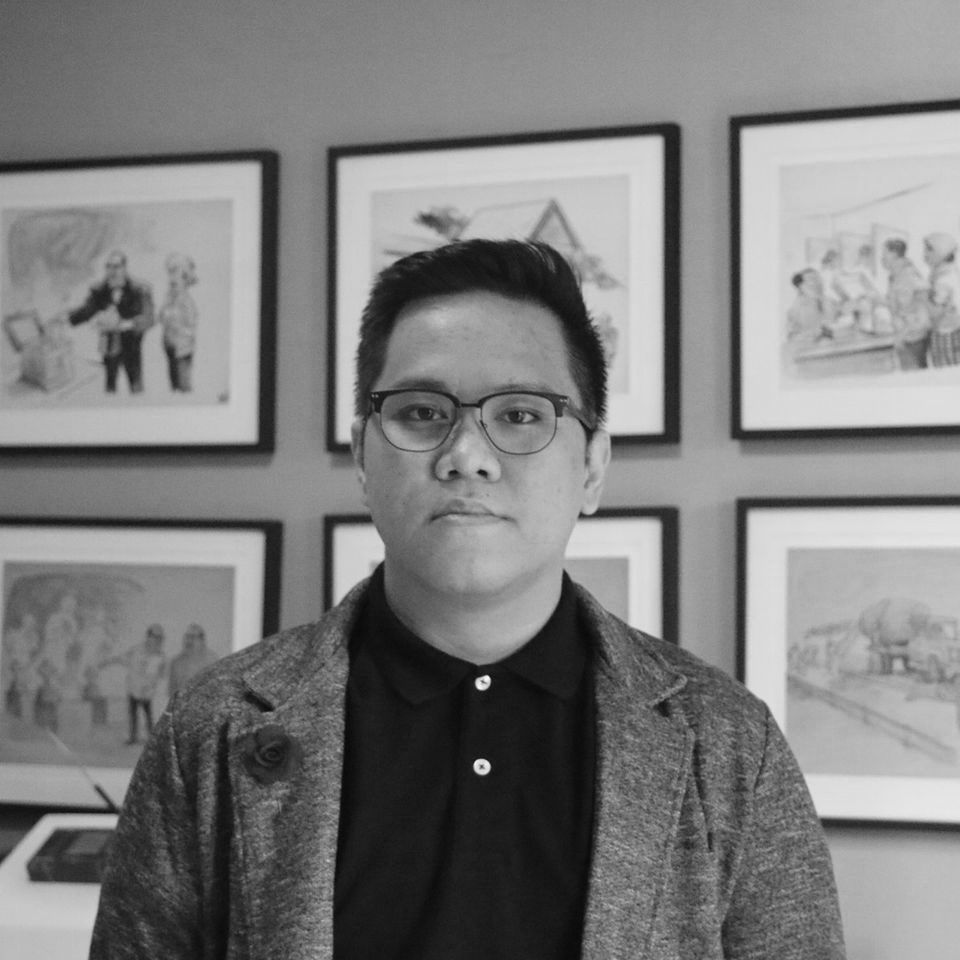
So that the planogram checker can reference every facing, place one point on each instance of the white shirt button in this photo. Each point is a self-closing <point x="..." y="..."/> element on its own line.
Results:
<point x="482" y="683"/>
<point x="481" y="767"/>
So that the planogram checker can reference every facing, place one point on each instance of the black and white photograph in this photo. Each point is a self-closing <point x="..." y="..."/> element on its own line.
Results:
<point x="847" y="298"/>
<point x="137" y="302"/>
<point x="849" y="630"/>
<point x="102" y="622"/>
<point x="607" y="199"/>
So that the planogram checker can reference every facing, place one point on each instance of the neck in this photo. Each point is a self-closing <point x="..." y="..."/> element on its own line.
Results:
<point x="481" y="628"/>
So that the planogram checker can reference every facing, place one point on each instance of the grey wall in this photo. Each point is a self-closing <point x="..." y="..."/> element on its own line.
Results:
<point x="112" y="77"/>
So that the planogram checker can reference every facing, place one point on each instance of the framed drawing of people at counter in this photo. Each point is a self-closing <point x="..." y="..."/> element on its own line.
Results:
<point x="846" y="271"/>
<point x="137" y="302"/>
<point x="102" y="622"/>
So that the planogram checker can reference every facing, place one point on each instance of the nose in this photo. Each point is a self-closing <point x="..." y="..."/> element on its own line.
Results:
<point x="467" y="452"/>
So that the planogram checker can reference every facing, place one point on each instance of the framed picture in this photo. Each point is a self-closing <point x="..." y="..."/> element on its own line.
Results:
<point x="846" y="291"/>
<point x="138" y="303"/>
<point x="102" y="621"/>
<point x="606" y="198"/>
<point x="848" y="614"/>
<point x="626" y="557"/>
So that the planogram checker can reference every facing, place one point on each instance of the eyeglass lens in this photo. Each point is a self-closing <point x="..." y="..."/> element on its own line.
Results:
<point x="421" y="420"/>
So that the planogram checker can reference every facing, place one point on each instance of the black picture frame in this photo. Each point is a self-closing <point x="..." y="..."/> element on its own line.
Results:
<point x="618" y="187"/>
<point x="824" y="342"/>
<point x="79" y="595"/>
<point x="169" y="366"/>
<point x="847" y="626"/>
<point x="628" y="557"/>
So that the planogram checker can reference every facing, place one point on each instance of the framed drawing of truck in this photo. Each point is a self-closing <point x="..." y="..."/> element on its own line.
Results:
<point x="849" y="628"/>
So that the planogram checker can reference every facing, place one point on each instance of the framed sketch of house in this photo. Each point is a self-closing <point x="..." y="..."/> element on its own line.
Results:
<point x="138" y="303"/>
<point x="845" y="283"/>
<point x="847" y="616"/>
<point x="626" y="557"/>
<point x="606" y="198"/>
<point x="102" y="621"/>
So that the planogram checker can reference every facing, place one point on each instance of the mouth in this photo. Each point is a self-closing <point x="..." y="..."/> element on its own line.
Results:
<point x="466" y="511"/>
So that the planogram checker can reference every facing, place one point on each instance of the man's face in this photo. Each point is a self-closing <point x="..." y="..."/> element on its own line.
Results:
<point x="810" y="284"/>
<point x="467" y="520"/>
<point x="116" y="270"/>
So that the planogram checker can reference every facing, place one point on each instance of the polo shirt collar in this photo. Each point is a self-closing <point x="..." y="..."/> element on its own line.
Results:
<point x="553" y="660"/>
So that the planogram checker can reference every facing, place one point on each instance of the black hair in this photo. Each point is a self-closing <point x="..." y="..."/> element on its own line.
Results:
<point x="517" y="269"/>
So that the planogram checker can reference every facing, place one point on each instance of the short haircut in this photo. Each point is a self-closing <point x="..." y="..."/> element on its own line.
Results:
<point x="516" y="269"/>
<point x="896" y="246"/>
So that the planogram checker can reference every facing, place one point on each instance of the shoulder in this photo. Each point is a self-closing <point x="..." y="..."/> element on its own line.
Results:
<point x="271" y="671"/>
<point x="666" y="676"/>
<point x="140" y="288"/>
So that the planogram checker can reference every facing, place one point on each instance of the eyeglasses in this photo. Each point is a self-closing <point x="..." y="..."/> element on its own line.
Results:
<point x="516" y="421"/>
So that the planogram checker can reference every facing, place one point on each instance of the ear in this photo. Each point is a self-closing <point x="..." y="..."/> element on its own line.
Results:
<point x="356" y="448"/>
<point x="598" y="459"/>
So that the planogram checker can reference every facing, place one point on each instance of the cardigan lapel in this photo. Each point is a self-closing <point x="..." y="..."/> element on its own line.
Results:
<point x="289" y="828"/>
<point x="643" y="756"/>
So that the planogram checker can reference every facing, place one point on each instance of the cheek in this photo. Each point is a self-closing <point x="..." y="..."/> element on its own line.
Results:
<point x="390" y="488"/>
<point x="554" y="499"/>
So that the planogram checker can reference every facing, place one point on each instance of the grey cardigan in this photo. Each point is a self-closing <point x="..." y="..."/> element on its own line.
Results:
<point x="706" y="844"/>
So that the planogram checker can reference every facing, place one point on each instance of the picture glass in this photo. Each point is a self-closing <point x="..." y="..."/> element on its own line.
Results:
<point x="600" y="200"/>
<point x="100" y="626"/>
<point x="131" y="303"/>
<point x="849" y="294"/>
<point x="851" y="636"/>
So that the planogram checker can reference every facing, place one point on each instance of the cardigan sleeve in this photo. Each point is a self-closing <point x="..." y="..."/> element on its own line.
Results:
<point x="784" y="899"/>
<point x="150" y="900"/>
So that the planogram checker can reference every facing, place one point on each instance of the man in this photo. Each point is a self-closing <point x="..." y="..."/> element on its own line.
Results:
<point x="907" y="300"/>
<point x="811" y="314"/>
<point x="145" y="665"/>
<point x="939" y="254"/>
<point x="469" y="757"/>
<point x="122" y="310"/>
<point x="191" y="660"/>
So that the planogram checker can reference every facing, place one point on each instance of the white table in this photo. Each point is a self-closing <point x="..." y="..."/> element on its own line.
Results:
<point x="43" y="920"/>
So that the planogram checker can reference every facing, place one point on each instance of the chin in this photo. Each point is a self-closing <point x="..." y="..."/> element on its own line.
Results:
<point x="465" y="573"/>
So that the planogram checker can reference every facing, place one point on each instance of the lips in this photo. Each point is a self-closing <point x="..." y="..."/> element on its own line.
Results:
<point x="467" y="509"/>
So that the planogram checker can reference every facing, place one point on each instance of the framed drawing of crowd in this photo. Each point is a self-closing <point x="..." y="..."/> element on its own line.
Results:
<point x="846" y="290"/>
<point x="606" y="198"/>
<point x="138" y="300"/>
<point x="102" y="621"/>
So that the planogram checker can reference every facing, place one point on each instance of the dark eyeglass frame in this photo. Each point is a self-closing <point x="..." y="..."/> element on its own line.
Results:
<point x="561" y="403"/>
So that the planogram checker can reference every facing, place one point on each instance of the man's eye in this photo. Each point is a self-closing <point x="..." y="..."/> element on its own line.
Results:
<point x="520" y="416"/>
<point x="420" y="413"/>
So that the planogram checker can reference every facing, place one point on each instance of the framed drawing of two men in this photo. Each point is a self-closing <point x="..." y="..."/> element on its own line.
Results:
<point x="137" y="300"/>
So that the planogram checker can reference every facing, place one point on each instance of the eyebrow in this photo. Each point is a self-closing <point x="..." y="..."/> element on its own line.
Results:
<point x="430" y="383"/>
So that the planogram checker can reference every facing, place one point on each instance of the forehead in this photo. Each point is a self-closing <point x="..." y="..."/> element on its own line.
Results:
<point x="477" y="340"/>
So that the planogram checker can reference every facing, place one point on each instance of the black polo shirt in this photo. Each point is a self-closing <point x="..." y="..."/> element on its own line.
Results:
<point x="467" y="802"/>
